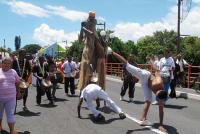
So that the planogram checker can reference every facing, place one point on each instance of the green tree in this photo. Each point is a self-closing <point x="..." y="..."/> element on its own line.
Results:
<point x="165" y="38"/>
<point x="32" y="48"/>
<point x="75" y="50"/>
<point x="130" y="47"/>
<point x="190" y="50"/>
<point x="159" y="41"/>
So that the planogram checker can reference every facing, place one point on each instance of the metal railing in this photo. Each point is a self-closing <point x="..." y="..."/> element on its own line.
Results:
<point x="192" y="73"/>
<point x="116" y="69"/>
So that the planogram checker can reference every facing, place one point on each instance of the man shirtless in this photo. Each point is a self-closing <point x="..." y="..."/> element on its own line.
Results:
<point x="149" y="83"/>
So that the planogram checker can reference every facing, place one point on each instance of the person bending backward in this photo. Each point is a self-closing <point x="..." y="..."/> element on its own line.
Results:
<point x="93" y="92"/>
<point x="150" y="83"/>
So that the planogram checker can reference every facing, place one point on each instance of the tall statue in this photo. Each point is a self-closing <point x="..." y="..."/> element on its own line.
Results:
<point x="93" y="56"/>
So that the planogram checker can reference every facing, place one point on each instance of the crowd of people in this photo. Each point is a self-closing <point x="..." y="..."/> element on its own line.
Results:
<point x="171" y="69"/>
<point x="16" y="74"/>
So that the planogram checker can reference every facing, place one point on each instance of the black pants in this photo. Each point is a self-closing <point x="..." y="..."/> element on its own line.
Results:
<point x="25" y="97"/>
<point x="69" y="81"/>
<point x="41" y="92"/>
<point x="172" y="87"/>
<point x="128" y="83"/>
<point x="54" y="86"/>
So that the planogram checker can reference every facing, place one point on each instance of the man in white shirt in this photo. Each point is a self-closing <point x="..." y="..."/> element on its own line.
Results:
<point x="93" y="92"/>
<point x="166" y="69"/>
<point x="68" y="68"/>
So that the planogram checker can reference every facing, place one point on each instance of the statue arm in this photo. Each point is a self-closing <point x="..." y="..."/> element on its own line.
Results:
<point x="119" y="57"/>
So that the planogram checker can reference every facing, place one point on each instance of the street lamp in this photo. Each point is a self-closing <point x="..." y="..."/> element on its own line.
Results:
<point x="103" y="33"/>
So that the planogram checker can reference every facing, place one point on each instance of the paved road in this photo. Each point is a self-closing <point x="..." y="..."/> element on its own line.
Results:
<point x="181" y="116"/>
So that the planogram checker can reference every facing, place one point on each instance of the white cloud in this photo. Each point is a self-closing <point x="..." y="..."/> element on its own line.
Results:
<point x="133" y="31"/>
<point x="69" y="14"/>
<point x="66" y="13"/>
<point x="47" y="36"/>
<point x="196" y="1"/>
<point x="25" y="8"/>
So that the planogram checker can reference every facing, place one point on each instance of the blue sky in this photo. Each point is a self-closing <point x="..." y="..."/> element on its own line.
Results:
<point x="48" y="21"/>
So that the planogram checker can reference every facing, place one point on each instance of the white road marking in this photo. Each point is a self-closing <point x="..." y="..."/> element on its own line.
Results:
<point x="149" y="127"/>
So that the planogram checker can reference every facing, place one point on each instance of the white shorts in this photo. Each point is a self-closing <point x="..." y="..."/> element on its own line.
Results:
<point x="143" y="76"/>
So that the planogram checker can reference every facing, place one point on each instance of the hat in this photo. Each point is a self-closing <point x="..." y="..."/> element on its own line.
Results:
<point x="91" y="14"/>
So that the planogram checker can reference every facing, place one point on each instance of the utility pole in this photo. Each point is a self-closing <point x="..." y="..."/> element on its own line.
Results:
<point x="58" y="49"/>
<point x="4" y="46"/>
<point x="178" y="28"/>
<point x="66" y="43"/>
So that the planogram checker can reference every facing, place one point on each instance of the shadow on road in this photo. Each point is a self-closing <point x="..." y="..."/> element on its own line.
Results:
<point x="48" y="105"/>
<point x="102" y="122"/>
<point x="170" y="129"/>
<point x="60" y="100"/>
<point x="138" y="102"/>
<point x="175" y="106"/>
<point x="25" y="132"/>
<point x="28" y="113"/>
<point x="137" y="130"/>
<point x="6" y="132"/>
<point x="73" y="95"/>
<point x="134" y="102"/>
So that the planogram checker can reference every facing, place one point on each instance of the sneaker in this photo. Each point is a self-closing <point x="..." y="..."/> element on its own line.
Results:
<point x="130" y="99"/>
<point x="121" y="98"/>
<point x="145" y="123"/>
<point x="122" y="116"/>
<point x="154" y="103"/>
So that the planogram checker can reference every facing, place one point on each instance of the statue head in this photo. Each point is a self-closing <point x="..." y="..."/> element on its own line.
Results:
<point x="91" y="15"/>
<point x="91" y="18"/>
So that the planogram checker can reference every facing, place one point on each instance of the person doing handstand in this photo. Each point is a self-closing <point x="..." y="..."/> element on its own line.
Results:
<point x="149" y="83"/>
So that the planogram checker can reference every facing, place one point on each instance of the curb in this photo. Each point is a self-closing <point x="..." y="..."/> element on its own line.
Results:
<point x="180" y="94"/>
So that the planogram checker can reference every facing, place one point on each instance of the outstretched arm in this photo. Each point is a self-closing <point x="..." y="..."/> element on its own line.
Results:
<point x="119" y="57"/>
<point x="79" y="107"/>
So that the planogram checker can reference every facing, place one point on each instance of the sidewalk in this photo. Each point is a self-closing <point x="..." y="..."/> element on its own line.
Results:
<point x="186" y="93"/>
